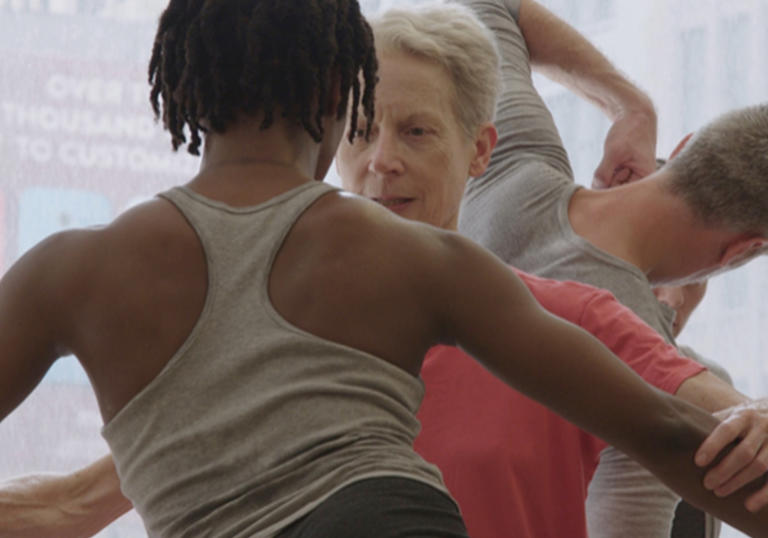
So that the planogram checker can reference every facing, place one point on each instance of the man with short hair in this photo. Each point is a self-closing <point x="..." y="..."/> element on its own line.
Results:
<point x="703" y="213"/>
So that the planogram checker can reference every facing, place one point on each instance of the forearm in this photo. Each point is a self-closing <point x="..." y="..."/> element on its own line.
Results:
<point x="564" y="55"/>
<point x="569" y="370"/>
<point x="62" y="506"/>
<point x="667" y="438"/>
<point x="660" y="431"/>
<point x="710" y="392"/>
<point x="681" y="473"/>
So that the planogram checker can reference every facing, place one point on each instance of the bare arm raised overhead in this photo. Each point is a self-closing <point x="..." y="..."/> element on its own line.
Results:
<point x="529" y="36"/>
<point x="562" y="54"/>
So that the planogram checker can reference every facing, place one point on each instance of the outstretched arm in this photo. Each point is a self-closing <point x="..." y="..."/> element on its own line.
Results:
<point x="745" y="421"/>
<point x="562" y="54"/>
<point x="62" y="506"/>
<point x="495" y="318"/>
<point x="746" y="424"/>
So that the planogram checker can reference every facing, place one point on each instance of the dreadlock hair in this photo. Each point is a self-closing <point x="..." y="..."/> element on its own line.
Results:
<point x="215" y="60"/>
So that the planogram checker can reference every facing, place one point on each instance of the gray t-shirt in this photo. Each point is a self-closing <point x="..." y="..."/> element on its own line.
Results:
<point x="519" y="210"/>
<point x="521" y="214"/>
<point x="714" y="367"/>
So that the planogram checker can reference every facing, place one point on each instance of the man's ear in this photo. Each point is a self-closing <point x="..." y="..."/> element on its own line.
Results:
<point x="741" y="249"/>
<point x="680" y="145"/>
<point x="485" y="141"/>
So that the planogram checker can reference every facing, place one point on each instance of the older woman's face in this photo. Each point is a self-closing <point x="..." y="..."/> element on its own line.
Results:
<point x="417" y="159"/>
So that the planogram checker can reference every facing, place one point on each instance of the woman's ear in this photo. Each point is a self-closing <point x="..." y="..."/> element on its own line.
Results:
<point x="485" y="141"/>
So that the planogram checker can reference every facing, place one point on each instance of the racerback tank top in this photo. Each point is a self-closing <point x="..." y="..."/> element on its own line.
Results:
<point x="253" y="422"/>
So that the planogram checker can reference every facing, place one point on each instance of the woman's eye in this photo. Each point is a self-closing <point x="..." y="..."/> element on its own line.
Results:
<point x="417" y="131"/>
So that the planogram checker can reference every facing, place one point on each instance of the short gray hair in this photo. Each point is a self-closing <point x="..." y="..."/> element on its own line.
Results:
<point x="450" y="35"/>
<point x="722" y="173"/>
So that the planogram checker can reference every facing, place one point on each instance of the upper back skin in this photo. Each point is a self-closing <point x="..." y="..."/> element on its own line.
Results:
<point x="133" y="291"/>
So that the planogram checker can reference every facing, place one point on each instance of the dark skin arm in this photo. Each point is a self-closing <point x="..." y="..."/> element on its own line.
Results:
<point x="438" y="287"/>
<point x="30" y="331"/>
<point x="435" y="283"/>
<point x="574" y="374"/>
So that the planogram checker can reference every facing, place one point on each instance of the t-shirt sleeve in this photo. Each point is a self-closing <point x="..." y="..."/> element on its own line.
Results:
<point x="525" y="125"/>
<point x="714" y="367"/>
<point x="637" y="344"/>
<point x="529" y="167"/>
<point x="511" y="218"/>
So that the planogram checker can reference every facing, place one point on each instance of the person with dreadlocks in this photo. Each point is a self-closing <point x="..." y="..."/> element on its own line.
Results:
<point x="254" y="344"/>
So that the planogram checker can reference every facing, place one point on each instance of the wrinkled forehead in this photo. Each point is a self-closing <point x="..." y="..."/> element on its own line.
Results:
<point x="409" y="84"/>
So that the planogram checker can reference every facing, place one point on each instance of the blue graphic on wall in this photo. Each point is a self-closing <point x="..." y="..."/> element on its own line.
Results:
<point x="46" y="210"/>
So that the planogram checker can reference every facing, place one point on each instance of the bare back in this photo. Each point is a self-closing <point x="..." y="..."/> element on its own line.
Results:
<point x="129" y="294"/>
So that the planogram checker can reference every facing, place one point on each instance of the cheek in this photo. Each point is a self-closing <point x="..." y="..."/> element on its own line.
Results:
<point x="454" y="181"/>
<point x="442" y="194"/>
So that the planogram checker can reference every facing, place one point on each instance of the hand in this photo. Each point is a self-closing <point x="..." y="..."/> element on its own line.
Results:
<point x="747" y="425"/>
<point x="629" y="152"/>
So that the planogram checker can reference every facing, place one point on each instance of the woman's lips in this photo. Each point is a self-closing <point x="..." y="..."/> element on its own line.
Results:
<point x="394" y="203"/>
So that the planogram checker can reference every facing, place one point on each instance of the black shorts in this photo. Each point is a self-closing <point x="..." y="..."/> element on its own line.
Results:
<point x="382" y="508"/>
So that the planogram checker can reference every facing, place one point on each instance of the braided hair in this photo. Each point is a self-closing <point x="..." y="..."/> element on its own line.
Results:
<point x="214" y="60"/>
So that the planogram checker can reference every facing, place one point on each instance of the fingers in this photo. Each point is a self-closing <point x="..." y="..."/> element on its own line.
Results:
<point x="724" y="434"/>
<point x="617" y="176"/>
<point x="758" y="500"/>
<point x="603" y="175"/>
<point x="608" y="175"/>
<point x="621" y="176"/>
<point x="745" y="463"/>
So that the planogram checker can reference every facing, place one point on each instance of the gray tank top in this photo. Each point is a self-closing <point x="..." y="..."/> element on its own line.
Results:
<point x="254" y="422"/>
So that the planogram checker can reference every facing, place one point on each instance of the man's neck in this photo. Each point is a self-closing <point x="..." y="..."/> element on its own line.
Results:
<point x="641" y="223"/>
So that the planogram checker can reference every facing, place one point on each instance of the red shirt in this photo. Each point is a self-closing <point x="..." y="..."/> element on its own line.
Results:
<point x="516" y="468"/>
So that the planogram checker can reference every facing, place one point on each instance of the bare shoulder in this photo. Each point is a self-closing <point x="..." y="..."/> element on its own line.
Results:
<point x="53" y="267"/>
<point x="352" y="272"/>
<point x="354" y="226"/>
<point x="362" y="242"/>
<point x="78" y="255"/>
<point x="102" y="294"/>
<point x="35" y="296"/>
<point x="73" y="266"/>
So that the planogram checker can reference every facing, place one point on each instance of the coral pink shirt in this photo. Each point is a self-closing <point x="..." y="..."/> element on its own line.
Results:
<point x="514" y="467"/>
